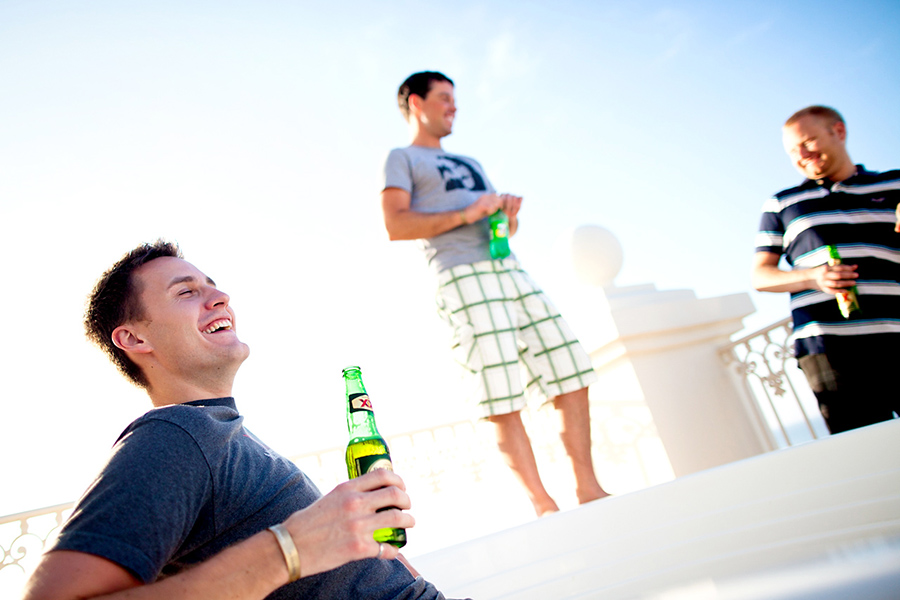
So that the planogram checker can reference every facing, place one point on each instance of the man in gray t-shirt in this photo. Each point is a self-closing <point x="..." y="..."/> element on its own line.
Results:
<point x="506" y="331"/>
<point x="190" y="504"/>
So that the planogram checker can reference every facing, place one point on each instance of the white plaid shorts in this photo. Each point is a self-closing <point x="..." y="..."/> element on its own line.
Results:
<point x="503" y="322"/>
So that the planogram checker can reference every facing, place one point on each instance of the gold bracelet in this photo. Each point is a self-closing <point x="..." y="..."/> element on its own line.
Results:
<point x="291" y="556"/>
<point x="462" y="214"/>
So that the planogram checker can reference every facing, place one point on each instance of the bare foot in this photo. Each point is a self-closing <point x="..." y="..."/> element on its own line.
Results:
<point x="585" y="496"/>
<point x="546" y="507"/>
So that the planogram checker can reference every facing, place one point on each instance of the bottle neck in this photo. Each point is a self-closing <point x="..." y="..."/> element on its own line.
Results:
<point x="360" y="417"/>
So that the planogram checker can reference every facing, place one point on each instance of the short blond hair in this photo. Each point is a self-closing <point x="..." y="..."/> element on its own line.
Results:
<point x="826" y="113"/>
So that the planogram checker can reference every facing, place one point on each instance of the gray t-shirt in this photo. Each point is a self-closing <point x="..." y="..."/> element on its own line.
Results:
<point x="186" y="481"/>
<point x="438" y="181"/>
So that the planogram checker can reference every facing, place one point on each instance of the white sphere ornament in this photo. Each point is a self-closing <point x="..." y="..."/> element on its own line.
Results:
<point x="596" y="255"/>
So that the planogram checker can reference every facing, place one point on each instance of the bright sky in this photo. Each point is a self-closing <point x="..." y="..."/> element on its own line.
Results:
<point x="253" y="133"/>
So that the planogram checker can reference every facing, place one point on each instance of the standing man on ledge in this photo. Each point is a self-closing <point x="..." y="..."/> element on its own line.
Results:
<point x="849" y="362"/>
<point x="191" y="505"/>
<point x="506" y="331"/>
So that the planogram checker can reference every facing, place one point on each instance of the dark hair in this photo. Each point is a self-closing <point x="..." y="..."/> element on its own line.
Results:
<point x="116" y="300"/>
<point x="418" y="84"/>
<point x="825" y="113"/>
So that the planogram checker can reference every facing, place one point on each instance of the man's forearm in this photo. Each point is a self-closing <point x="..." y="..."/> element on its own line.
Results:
<point x="249" y="570"/>
<point x="404" y="223"/>
<point x="769" y="278"/>
<point x="253" y="568"/>
<point x="412" y="225"/>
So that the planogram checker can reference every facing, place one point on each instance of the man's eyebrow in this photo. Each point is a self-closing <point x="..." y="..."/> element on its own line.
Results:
<point x="188" y="279"/>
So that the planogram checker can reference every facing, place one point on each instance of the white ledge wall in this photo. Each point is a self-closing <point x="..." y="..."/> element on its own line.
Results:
<point x="812" y="509"/>
<point x="669" y="341"/>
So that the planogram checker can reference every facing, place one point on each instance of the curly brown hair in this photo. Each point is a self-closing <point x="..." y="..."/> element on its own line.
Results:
<point x="116" y="300"/>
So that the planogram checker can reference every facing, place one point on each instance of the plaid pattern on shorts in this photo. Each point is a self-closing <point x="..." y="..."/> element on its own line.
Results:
<point x="508" y="333"/>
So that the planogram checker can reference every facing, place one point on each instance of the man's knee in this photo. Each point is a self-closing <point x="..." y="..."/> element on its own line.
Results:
<point x="819" y="373"/>
<point x="579" y="395"/>
<point x="514" y="417"/>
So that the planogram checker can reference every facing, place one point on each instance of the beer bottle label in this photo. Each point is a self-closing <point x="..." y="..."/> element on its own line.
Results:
<point x="360" y="402"/>
<point x="367" y="464"/>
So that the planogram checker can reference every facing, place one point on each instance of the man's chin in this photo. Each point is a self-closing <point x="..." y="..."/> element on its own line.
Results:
<point x="812" y="174"/>
<point x="246" y="351"/>
<point x="236" y="355"/>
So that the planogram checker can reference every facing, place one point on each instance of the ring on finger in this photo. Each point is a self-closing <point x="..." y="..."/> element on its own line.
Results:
<point x="380" y="551"/>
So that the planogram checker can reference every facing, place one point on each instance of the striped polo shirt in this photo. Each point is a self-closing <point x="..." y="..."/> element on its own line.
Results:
<point x="857" y="216"/>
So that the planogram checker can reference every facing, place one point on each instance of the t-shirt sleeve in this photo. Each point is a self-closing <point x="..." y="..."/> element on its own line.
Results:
<point x="770" y="237"/>
<point x="397" y="171"/>
<point x="145" y="501"/>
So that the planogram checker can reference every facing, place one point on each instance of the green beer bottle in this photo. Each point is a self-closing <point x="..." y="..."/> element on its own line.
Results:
<point x="499" y="234"/>
<point x="847" y="300"/>
<point x="367" y="450"/>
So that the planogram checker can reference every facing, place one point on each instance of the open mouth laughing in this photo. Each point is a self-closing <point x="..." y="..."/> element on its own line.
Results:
<point x="218" y="325"/>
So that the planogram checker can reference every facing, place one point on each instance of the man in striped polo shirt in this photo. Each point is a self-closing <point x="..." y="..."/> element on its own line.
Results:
<point x="848" y="361"/>
<point x="506" y="332"/>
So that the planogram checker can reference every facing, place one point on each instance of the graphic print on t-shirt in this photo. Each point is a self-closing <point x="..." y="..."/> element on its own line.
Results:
<point x="460" y="175"/>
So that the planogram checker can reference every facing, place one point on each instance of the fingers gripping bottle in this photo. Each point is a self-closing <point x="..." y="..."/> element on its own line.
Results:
<point x="847" y="300"/>
<point x="499" y="234"/>
<point x="367" y="450"/>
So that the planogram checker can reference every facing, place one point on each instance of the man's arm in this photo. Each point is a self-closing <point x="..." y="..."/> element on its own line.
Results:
<point x="403" y="223"/>
<point x="334" y="530"/>
<point x="767" y="277"/>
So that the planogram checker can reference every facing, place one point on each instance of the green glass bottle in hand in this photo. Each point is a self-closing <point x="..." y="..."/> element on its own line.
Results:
<point x="847" y="300"/>
<point x="367" y="450"/>
<point x="499" y="235"/>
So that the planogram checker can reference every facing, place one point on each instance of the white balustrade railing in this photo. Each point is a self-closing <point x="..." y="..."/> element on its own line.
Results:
<point x="23" y="536"/>
<point x="763" y="366"/>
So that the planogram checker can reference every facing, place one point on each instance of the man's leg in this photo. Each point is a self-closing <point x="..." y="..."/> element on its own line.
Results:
<point x="574" y="411"/>
<point x="472" y="300"/>
<point x="515" y="446"/>
<point x="851" y="389"/>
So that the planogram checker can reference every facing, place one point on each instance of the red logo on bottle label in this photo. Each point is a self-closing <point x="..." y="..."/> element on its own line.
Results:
<point x="360" y="402"/>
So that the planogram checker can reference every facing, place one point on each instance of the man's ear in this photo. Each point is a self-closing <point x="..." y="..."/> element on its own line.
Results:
<point x="415" y="104"/>
<point x="840" y="130"/>
<point x="127" y="339"/>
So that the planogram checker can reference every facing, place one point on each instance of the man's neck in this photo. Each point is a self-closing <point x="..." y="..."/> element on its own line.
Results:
<point x="424" y="138"/>
<point x="166" y="394"/>
<point x="846" y="172"/>
<point x="426" y="142"/>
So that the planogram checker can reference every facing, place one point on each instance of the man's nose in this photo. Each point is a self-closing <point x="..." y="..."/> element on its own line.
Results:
<point x="217" y="298"/>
